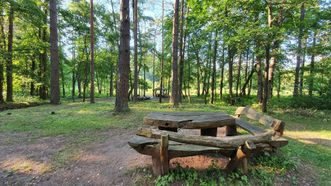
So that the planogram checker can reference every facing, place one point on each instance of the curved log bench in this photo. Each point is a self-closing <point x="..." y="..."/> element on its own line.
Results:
<point x="165" y="143"/>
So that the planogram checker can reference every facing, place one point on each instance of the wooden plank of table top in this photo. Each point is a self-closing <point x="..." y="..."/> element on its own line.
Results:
<point x="189" y="120"/>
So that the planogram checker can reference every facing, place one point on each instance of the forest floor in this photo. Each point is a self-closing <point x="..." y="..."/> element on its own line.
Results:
<point x="84" y="144"/>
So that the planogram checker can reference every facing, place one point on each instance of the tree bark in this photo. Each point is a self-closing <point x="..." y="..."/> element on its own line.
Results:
<point x="135" y="56"/>
<point x="302" y="72"/>
<point x="213" y="81"/>
<point x="238" y="75"/>
<point x="174" y="93"/>
<point x="92" y="51"/>
<point x="222" y="72"/>
<point x="266" y="80"/>
<point x="55" y="85"/>
<point x="259" y="79"/>
<point x="162" y="55"/>
<point x="181" y="53"/>
<point x="299" y="52"/>
<point x="9" y="65"/>
<point x="33" y="68"/>
<point x="230" y="61"/>
<point x="2" y="47"/>
<point x="121" y="103"/>
<point x="312" y="67"/>
<point x="43" y="61"/>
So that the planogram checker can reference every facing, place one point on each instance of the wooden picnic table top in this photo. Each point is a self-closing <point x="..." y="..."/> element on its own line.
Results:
<point x="189" y="120"/>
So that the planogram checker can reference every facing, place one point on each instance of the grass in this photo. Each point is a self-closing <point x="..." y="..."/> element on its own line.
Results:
<point x="309" y="132"/>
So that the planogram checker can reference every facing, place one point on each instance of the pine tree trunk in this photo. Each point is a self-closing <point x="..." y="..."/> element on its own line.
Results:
<point x="111" y="81"/>
<point x="312" y="67"/>
<point x="222" y="73"/>
<point x="299" y="53"/>
<point x="266" y="80"/>
<point x="230" y="61"/>
<point x="162" y="55"/>
<point x="55" y="83"/>
<point x="2" y="47"/>
<point x="92" y="52"/>
<point x="302" y="72"/>
<point x="238" y="75"/>
<point x="251" y="80"/>
<point x="181" y="53"/>
<point x="33" y="68"/>
<point x="135" y="55"/>
<point x="213" y="81"/>
<point x="121" y="103"/>
<point x="73" y="80"/>
<point x="174" y="93"/>
<point x="9" y="65"/>
<point x="259" y="79"/>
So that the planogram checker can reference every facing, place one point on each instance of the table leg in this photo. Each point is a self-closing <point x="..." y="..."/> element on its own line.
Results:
<point x="230" y="130"/>
<point x="209" y="132"/>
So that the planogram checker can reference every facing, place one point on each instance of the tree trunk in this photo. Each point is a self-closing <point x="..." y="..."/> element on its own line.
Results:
<point x="230" y="61"/>
<point x="2" y="47"/>
<point x="135" y="41"/>
<point x="266" y="80"/>
<point x="259" y="79"/>
<point x="302" y="72"/>
<point x="246" y="71"/>
<point x="43" y="61"/>
<point x="111" y="81"/>
<point x="251" y="80"/>
<point x="222" y="72"/>
<point x="312" y="67"/>
<point x="9" y="65"/>
<point x="299" y="52"/>
<point x="55" y="84"/>
<point x="213" y="81"/>
<point x="162" y="55"/>
<point x="121" y="103"/>
<point x="238" y="75"/>
<point x="73" y="86"/>
<point x="174" y="94"/>
<point x="92" y="52"/>
<point x="181" y="53"/>
<point x="86" y="68"/>
<point x="33" y="68"/>
<point x="279" y="84"/>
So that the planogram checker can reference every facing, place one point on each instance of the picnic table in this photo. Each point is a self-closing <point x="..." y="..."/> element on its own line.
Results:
<point x="162" y="141"/>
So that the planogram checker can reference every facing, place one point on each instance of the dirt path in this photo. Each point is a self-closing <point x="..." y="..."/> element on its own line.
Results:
<point x="25" y="161"/>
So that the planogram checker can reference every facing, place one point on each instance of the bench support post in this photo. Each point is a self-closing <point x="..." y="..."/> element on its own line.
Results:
<point x="160" y="157"/>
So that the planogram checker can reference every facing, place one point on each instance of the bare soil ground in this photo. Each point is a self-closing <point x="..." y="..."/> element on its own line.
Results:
<point x="29" y="160"/>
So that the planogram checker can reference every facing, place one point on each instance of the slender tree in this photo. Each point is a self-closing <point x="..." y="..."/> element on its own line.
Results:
<point x="92" y="51"/>
<point x="9" y="65"/>
<point x="121" y="103"/>
<point x="55" y="85"/>
<point x="135" y="41"/>
<point x="174" y="93"/>
<point x="162" y="53"/>
<point x="299" y="53"/>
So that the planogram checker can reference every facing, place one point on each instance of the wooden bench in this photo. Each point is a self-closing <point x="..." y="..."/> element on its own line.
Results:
<point x="163" y="145"/>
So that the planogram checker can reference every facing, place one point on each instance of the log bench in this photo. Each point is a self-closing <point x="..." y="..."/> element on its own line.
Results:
<point x="162" y="142"/>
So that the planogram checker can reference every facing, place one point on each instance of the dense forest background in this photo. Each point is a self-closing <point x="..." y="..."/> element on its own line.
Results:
<point x="239" y="52"/>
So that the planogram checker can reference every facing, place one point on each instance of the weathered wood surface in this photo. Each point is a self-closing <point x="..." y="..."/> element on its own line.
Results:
<point x="189" y="120"/>
<point x="266" y="120"/>
<point x="224" y="142"/>
<point x="241" y="157"/>
<point x="147" y="146"/>
<point x="249" y="127"/>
